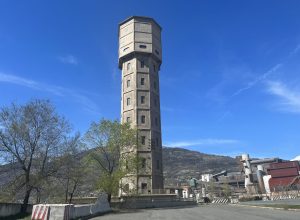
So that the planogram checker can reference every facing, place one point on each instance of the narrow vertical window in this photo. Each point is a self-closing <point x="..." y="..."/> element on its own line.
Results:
<point x="143" y="119"/>
<point x="142" y="81"/>
<point x="142" y="63"/>
<point x="143" y="140"/>
<point x="128" y="83"/>
<point x="128" y="101"/>
<point x="142" y="99"/>
<point x="128" y="66"/>
<point x="128" y="119"/>
<point x="143" y="162"/>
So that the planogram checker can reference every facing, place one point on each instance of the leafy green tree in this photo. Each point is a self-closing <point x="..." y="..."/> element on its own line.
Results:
<point x="226" y="189"/>
<point x="72" y="173"/>
<point x="110" y="140"/>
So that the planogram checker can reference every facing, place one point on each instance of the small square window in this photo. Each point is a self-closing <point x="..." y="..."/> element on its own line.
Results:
<point x="128" y="83"/>
<point x="128" y="101"/>
<point x="143" y="119"/>
<point x="142" y="81"/>
<point x="143" y="140"/>
<point x="142" y="99"/>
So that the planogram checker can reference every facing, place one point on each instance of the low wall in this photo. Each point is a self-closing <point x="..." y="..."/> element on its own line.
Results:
<point x="8" y="209"/>
<point x="151" y="201"/>
<point x="70" y="211"/>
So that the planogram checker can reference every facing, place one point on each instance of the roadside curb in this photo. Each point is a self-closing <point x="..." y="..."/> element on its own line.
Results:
<point x="264" y="207"/>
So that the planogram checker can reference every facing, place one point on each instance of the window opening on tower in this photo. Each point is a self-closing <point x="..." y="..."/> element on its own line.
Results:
<point x="142" y="99"/>
<point x="128" y="83"/>
<point x="143" y="119"/>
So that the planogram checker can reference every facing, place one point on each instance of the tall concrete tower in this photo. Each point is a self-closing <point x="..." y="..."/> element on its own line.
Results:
<point x="140" y="57"/>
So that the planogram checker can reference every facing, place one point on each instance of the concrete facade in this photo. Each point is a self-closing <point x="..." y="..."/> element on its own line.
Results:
<point x="140" y="60"/>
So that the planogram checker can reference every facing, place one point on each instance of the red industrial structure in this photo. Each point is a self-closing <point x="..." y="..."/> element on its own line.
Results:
<point x="284" y="174"/>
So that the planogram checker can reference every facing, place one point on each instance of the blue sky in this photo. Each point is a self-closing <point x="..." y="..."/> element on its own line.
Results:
<point x="230" y="78"/>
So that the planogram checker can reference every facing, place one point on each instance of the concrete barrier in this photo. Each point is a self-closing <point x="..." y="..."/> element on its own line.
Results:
<point x="70" y="211"/>
<point x="101" y="206"/>
<point x="52" y="212"/>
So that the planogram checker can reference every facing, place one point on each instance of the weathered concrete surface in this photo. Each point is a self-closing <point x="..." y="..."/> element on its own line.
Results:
<point x="70" y="211"/>
<point x="151" y="201"/>
<point x="8" y="209"/>
<point x="101" y="206"/>
<point x="205" y="212"/>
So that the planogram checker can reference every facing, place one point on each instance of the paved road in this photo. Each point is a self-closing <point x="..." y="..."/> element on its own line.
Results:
<point x="209" y="212"/>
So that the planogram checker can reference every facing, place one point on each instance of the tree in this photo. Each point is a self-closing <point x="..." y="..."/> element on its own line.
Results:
<point x="31" y="137"/>
<point x="110" y="138"/>
<point x="73" y="170"/>
<point x="226" y="189"/>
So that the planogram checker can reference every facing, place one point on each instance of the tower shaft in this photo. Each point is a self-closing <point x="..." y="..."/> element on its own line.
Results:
<point x="139" y="60"/>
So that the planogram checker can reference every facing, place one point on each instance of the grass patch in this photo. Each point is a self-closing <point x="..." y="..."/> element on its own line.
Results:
<point x="284" y="206"/>
<point x="17" y="217"/>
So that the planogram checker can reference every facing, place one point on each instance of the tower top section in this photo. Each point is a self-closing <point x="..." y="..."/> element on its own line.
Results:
<point x="139" y="35"/>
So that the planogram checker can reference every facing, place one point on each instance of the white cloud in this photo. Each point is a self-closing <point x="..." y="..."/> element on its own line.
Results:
<point x="87" y="103"/>
<point x="296" y="158"/>
<point x="289" y="98"/>
<point x="68" y="59"/>
<point x="258" y="79"/>
<point x="205" y="142"/>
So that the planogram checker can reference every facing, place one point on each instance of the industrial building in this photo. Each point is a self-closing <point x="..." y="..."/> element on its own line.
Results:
<point x="270" y="175"/>
<point x="284" y="176"/>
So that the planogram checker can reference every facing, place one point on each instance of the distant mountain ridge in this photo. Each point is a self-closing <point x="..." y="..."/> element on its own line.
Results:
<point x="180" y="164"/>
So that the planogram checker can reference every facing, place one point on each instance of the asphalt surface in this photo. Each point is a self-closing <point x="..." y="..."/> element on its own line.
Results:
<point x="205" y="212"/>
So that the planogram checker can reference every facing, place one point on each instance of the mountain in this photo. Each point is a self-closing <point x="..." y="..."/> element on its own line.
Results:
<point x="296" y="158"/>
<point x="181" y="164"/>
